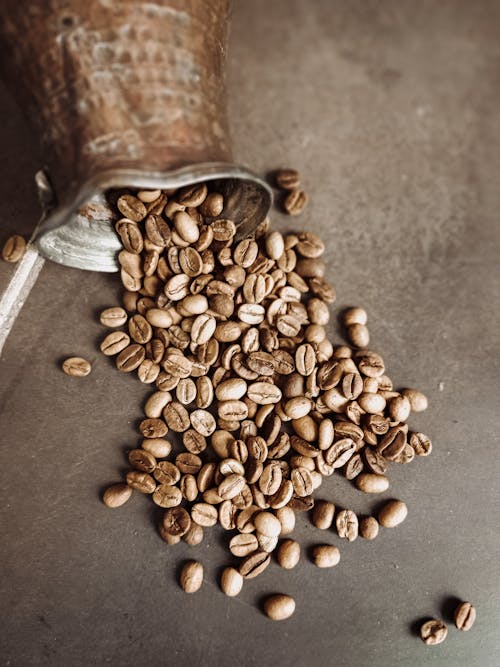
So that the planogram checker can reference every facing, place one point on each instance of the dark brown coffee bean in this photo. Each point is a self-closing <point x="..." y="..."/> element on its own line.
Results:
<point x="131" y="207"/>
<point x="176" y="521"/>
<point x="167" y="496"/>
<point x="295" y="202"/>
<point x="14" y="248"/>
<point x="142" y="460"/>
<point x="141" y="481"/>
<point x="188" y="463"/>
<point x="153" y="428"/>
<point x="130" y="358"/>
<point x="287" y="179"/>
<point x="301" y="504"/>
<point x="167" y="473"/>
<point x="392" y="444"/>
<point x="176" y="417"/>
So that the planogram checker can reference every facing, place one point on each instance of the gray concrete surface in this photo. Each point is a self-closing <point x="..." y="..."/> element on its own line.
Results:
<point x="390" y="111"/>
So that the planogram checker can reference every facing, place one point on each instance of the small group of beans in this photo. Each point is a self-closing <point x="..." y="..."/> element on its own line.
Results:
<point x="294" y="197"/>
<point x="253" y="405"/>
<point x="434" y="631"/>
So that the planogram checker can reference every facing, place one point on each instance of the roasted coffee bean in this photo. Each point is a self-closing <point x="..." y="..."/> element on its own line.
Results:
<point x="301" y="504"/>
<point x="114" y="343"/>
<point x="418" y="400"/>
<point x="399" y="408"/>
<point x="188" y="487"/>
<point x="130" y="358"/>
<point x="288" y="554"/>
<point x="76" y="367"/>
<point x="323" y="514"/>
<point x="295" y="202"/>
<point x="465" y="615"/>
<point x="116" y="495"/>
<point x="421" y="444"/>
<point x="354" y="467"/>
<point x="287" y="179"/>
<point x="340" y="452"/>
<point x="433" y="632"/>
<point x="267" y="524"/>
<point x="14" y="248"/>
<point x="188" y="463"/>
<point x="372" y="483"/>
<point x="242" y="545"/>
<point x="153" y="428"/>
<point x="279" y="607"/>
<point x="374" y="462"/>
<point x="325" y="555"/>
<point x="131" y="207"/>
<point x="368" y="527"/>
<point x="231" y="582"/>
<point x="204" y="514"/>
<point x="254" y="564"/>
<point x="191" y="577"/>
<point x="176" y="521"/>
<point x="352" y="385"/>
<point x="158" y="447"/>
<point x="392" y="443"/>
<point x="271" y="478"/>
<point x="167" y="473"/>
<point x="194" y="535"/>
<point x="302" y="482"/>
<point x="176" y="416"/>
<point x="193" y="441"/>
<point x="142" y="460"/>
<point x="167" y="496"/>
<point x="347" y="525"/>
<point x="113" y="317"/>
<point x="141" y="481"/>
<point x="392" y="513"/>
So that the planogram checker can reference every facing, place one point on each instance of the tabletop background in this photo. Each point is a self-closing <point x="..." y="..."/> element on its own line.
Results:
<point x="390" y="111"/>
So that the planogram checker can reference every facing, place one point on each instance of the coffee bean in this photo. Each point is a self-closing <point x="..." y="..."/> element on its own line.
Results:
<point x="368" y="528"/>
<point x="142" y="460"/>
<point x="418" y="400"/>
<point x="254" y="564"/>
<point x="242" y="545"/>
<point x="191" y="577"/>
<point x="167" y="472"/>
<point x="116" y="495"/>
<point x="176" y="416"/>
<point x="113" y="317"/>
<point x="433" y="632"/>
<point x="14" y="248"/>
<point x="295" y="202"/>
<point x="167" y="496"/>
<point x="302" y="482"/>
<point x="372" y="483"/>
<point x="421" y="444"/>
<point x="270" y="479"/>
<point x="325" y="555"/>
<point x="188" y="463"/>
<point x="158" y="447"/>
<point x="153" y="428"/>
<point x="114" y="343"/>
<point x="347" y="525"/>
<point x="288" y="554"/>
<point x="76" y="367"/>
<point x="374" y="462"/>
<point x="465" y="615"/>
<point x="279" y="607"/>
<point x="213" y="205"/>
<point x="141" y="481"/>
<point x="231" y="582"/>
<point x="399" y="408"/>
<point x="176" y="521"/>
<point x="263" y="393"/>
<point x="267" y="524"/>
<point x="323" y="514"/>
<point x="392" y="513"/>
<point x="130" y="358"/>
<point x="194" y="535"/>
<point x="131" y="207"/>
<point x="203" y="422"/>
<point x="287" y="179"/>
<point x="204" y="514"/>
<point x="188" y="487"/>
<point x="231" y="486"/>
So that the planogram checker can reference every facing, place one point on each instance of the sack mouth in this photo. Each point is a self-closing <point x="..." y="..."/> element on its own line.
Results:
<point x="79" y="232"/>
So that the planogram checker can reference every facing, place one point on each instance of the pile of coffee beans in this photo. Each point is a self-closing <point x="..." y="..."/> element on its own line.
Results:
<point x="253" y="405"/>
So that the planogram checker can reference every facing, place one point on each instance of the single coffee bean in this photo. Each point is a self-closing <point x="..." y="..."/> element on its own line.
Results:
<point x="263" y="393"/>
<point x="113" y="317"/>
<point x="231" y="582"/>
<point x="166" y="495"/>
<point x="153" y="428"/>
<point x="392" y="513"/>
<point x="370" y="363"/>
<point x="194" y="535"/>
<point x="204" y="514"/>
<point x="130" y="358"/>
<point x="286" y="517"/>
<point x="354" y="467"/>
<point x="142" y="460"/>
<point x="116" y="495"/>
<point x="279" y="607"/>
<point x="177" y="417"/>
<point x="347" y="525"/>
<point x="141" y="481"/>
<point x="188" y="464"/>
<point x="158" y="447"/>
<point x="14" y="248"/>
<point x="114" y="343"/>
<point x="191" y="577"/>
<point x="372" y="483"/>
<point x="167" y="472"/>
<point x="76" y="367"/>
<point x="354" y="315"/>
<point x="368" y="527"/>
<point x="242" y="545"/>
<point x="421" y="444"/>
<point x="254" y="564"/>
<point x="372" y="403"/>
<point x="155" y="404"/>
<point x="203" y="422"/>
<point x="176" y="521"/>
<point x="302" y="482"/>
<point x="131" y="207"/>
<point x="287" y="179"/>
<point x="213" y="205"/>
<point x="325" y="555"/>
<point x="399" y="408"/>
<point x="267" y="524"/>
<point x="288" y="554"/>
<point x="193" y="441"/>
<point x="465" y="615"/>
<point x="323" y="514"/>
<point x="188" y="487"/>
<point x="433" y="632"/>
<point x="306" y="428"/>
<point x="418" y="400"/>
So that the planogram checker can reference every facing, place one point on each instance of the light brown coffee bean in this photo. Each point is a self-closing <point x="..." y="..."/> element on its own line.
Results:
<point x="113" y="317"/>
<point x="231" y="582"/>
<point x="130" y="358"/>
<point x="358" y="335"/>
<point x="131" y="207"/>
<point x="245" y="253"/>
<point x="167" y="472"/>
<point x="223" y="230"/>
<point x="279" y="607"/>
<point x="76" y="367"/>
<point x="232" y="389"/>
<point x="347" y="525"/>
<point x="192" y="195"/>
<point x="465" y="615"/>
<point x="204" y="514"/>
<point x="302" y="482"/>
<point x="287" y="179"/>
<point x="392" y="513"/>
<point x="372" y="483"/>
<point x="141" y="481"/>
<point x="261" y="362"/>
<point x="288" y="554"/>
<point x="267" y="524"/>
<point x="286" y="517"/>
<point x="213" y="205"/>
<point x="254" y="564"/>
<point x="418" y="400"/>
<point x="372" y="403"/>
<point x="370" y="363"/>
<point x="194" y="536"/>
<point x="153" y="428"/>
<point x="340" y="452"/>
<point x="185" y="391"/>
<point x="399" y="408"/>
<point x="155" y="404"/>
<point x="158" y="447"/>
<point x="368" y="528"/>
<point x="203" y="422"/>
<point x="188" y="463"/>
<point x="194" y="442"/>
<point x="176" y="521"/>
<point x="421" y="444"/>
<point x="355" y="315"/>
<point x="148" y="371"/>
<point x="114" y="343"/>
<point x="188" y="487"/>
<point x="325" y="555"/>
<point x="191" y="577"/>
<point x="166" y="495"/>
<point x="14" y="248"/>
<point x="186" y="227"/>
<point x="295" y="202"/>
<point x="323" y="514"/>
<point x="176" y="416"/>
<point x="243" y="544"/>
<point x="139" y="329"/>
<point x="116" y="495"/>
<point x="142" y="460"/>
<point x="263" y="393"/>
<point x="433" y="632"/>
<point x="271" y="479"/>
